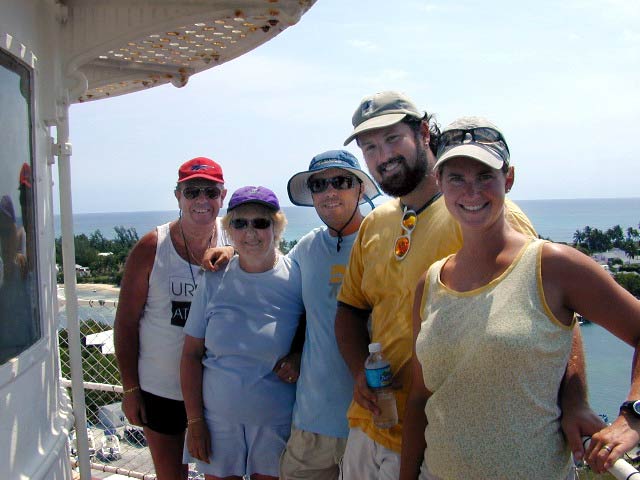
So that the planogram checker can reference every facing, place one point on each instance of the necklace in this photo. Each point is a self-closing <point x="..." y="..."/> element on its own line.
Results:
<point x="424" y="207"/>
<point x="190" y="256"/>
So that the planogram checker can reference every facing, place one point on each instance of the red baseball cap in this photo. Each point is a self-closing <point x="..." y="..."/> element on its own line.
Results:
<point x="200" y="167"/>
<point x="25" y="175"/>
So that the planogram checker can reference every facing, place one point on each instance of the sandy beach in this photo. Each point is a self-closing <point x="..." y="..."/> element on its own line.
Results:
<point x="95" y="287"/>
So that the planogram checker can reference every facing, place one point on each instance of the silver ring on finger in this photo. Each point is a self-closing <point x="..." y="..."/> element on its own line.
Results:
<point x="607" y="448"/>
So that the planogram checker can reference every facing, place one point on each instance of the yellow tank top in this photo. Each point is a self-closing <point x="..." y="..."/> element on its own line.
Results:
<point x="494" y="358"/>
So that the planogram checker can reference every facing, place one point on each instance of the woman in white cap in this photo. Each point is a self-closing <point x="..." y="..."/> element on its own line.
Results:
<point x="241" y="325"/>
<point x="493" y="334"/>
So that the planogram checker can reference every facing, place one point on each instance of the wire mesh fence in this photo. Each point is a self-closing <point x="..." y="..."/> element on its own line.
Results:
<point x="115" y="446"/>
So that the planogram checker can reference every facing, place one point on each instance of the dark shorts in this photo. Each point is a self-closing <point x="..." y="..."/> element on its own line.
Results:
<point x="164" y="415"/>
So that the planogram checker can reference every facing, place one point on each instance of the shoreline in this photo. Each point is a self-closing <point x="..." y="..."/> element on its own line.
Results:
<point x="94" y="287"/>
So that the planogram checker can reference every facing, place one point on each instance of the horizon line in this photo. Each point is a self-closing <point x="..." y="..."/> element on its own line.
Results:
<point x="376" y="203"/>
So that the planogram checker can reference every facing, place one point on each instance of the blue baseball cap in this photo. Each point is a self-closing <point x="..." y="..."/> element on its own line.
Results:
<point x="299" y="192"/>
<point x="251" y="194"/>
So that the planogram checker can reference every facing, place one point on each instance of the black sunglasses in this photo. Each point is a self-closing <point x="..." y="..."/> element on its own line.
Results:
<point x="339" y="182"/>
<point x="483" y="135"/>
<point x="194" y="192"/>
<point x="257" y="223"/>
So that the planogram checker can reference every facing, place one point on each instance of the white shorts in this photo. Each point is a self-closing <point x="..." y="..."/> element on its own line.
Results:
<point x="238" y="449"/>
<point x="366" y="459"/>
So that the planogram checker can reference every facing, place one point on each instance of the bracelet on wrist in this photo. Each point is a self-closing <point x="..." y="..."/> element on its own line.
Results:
<point x="191" y="421"/>
<point x="131" y="390"/>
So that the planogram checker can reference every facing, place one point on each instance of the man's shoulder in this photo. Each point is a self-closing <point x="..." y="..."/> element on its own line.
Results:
<point x="518" y="219"/>
<point x="147" y="245"/>
<point x="383" y="213"/>
<point x="390" y="206"/>
<point x="513" y="207"/>
<point x="310" y="236"/>
<point x="306" y="242"/>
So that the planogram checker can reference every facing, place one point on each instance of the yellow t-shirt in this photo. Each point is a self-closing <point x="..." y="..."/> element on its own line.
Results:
<point x="377" y="281"/>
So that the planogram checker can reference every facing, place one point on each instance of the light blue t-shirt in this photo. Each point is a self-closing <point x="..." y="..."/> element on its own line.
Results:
<point x="248" y="321"/>
<point x="325" y="387"/>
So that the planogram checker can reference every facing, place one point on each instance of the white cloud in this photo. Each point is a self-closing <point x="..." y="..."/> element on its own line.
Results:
<point x="430" y="7"/>
<point x="632" y="36"/>
<point x="364" y="45"/>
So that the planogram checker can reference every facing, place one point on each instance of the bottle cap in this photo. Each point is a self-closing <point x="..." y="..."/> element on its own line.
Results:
<point x="375" y="348"/>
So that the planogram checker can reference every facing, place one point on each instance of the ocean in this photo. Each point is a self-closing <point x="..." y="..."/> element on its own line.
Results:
<point x="554" y="219"/>
<point x="608" y="359"/>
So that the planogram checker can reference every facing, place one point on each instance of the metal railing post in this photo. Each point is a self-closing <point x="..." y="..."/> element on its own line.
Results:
<point x="69" y="268"/>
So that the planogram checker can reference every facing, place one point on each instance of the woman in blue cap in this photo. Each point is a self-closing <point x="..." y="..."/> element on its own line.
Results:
<point x="241" y="324"/>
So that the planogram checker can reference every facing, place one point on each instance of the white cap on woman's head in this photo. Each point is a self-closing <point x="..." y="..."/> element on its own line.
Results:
<point x="476" y="138"/>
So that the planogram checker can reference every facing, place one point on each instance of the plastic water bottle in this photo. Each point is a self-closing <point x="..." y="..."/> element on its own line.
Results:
<point x="379" y="376"/>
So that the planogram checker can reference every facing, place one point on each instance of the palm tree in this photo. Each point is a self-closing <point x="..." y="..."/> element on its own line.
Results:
<point x="598" y="241"/>
<point x="631" y="249"/>
<point x="578" y="237"/>
<point x="616" y="236"/>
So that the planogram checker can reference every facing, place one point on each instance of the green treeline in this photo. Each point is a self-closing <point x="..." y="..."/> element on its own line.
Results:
<point x="593" y="240"/>
<point x="109" y="268"/>
<point x="103" y="268"/>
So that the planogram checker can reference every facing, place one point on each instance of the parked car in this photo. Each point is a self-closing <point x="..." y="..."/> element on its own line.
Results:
<point x="135" y="436"/>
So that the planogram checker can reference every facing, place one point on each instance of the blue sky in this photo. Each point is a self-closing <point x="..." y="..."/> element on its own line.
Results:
<point x="561" y="79"/>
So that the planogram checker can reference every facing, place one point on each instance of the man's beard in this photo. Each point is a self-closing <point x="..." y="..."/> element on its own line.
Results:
<point x="407" y="178"/>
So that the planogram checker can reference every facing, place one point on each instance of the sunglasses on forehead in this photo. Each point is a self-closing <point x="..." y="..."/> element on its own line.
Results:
<point x="194" y="192"/>
<point x="339" y="182"/>
<point x="483" y="135"/>
<point x="257" y="223"/>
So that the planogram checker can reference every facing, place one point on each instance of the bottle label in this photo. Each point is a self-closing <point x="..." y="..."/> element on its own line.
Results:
<point x="378" y="377"/>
